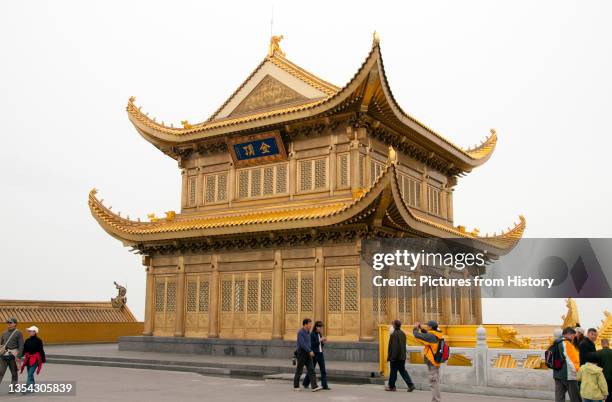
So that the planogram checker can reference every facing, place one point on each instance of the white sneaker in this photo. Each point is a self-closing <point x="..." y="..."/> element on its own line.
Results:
<point x="317" y="389"/>
<point x="297" y="389"/>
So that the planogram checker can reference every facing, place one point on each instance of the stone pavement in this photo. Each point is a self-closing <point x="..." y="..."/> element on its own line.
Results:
<point x="119" y="384"/>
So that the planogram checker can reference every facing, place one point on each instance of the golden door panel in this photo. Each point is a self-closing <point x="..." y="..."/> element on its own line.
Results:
<point x="165" y="305"/>
<point x="246" y="305"/>
<point x="298" y="299"/>
<point x="342" y="291"/>
<point x="197" y="300"/>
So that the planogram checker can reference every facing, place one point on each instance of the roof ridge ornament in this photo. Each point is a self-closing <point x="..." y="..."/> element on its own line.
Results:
<point x="275" y="46"/>
<point x="375" y="38"/>
<point x="392" y="158"/>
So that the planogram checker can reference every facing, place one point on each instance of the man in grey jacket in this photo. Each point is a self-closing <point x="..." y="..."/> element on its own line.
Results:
<point x="11" y="341"/>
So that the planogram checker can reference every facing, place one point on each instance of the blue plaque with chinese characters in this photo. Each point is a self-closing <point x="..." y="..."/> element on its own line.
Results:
<point x="257" y="149"/>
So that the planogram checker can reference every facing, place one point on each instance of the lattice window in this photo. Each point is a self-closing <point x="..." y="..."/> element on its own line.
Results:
<point x="266" y="295"/>
<point x="171" y="296"/>
<point x="432" y="300"/>
<point x="253" y="295"/>
<point x="306" y="294"/>
<point x="226" y="295"/>
<point x="262" y="181"/>
<point x="192" y="289"/>
<point x="376" y="169"/>
<point x="350" y="293"/>
<point x="334" y="290"/>
<point x="313" y="174"/>
<point x="320" y="168"/>
<point x="239" y="295"/>
<point x="204" y="296"/>
<point x="411" y="190"/>
<point x="255" y="182"/>
<point x="281" y="179"/>
<point x="404" y="299"/>
<point x="216" y="188"/>
<point x="342" y="174"/>
<point x="243" y="184"/>
<point x="433" y="200"/>
<point x="160" y="297"/>
<point x="291" y="294"/>
<point x="268" y="181"/>
<point x="379" y="299"/>
<point x="305" y="175"/>
<point x="211" y="188"/>
<point x="455" y="295"/>
<point x="192" y="185"/>
<point x="222" y="187"/>
<point x="474" y="301"/>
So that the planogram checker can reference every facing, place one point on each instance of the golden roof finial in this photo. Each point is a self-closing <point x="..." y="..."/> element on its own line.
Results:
<point x="275" y="45"/>
<point x="375" y="38"/>
<point x="186" y="124"/>
<point x="392" y="159"/>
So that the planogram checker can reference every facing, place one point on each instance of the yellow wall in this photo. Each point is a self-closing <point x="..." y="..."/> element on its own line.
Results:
<point x="82" y="332"/>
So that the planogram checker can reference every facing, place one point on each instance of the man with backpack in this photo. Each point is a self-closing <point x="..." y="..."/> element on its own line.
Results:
<point x="563" y="358"/>
<point x="435" y="352"/>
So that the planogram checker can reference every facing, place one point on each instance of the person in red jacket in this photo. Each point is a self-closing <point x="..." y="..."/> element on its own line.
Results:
<point x="33" y="354"/>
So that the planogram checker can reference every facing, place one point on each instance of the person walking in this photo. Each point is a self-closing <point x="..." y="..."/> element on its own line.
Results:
<point x="604" y="358"/>
<point x="317" y="340"/>
<point x="566" y="376"/>
<point x="396" y="357"/>
<point x="33" y="354"/>
<point x="11" y="348"/>
<point x="304" y="357"/>
<point x="431" y="335"/>
<point x="593" y="386"/>
<point x="587" y="345"/>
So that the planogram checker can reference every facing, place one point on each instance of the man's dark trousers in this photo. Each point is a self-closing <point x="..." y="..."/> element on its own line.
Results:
<point x="320" y="360"/>
<point x="304" y="359"/>
<point x="12" y="365"/>
<point x="399" y="365"/>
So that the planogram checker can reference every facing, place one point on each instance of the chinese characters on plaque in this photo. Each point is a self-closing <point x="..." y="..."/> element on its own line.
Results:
<point x="257" y="149"/>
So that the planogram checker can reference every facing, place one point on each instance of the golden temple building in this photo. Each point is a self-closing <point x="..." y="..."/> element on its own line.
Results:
<point x="280" y="187"/>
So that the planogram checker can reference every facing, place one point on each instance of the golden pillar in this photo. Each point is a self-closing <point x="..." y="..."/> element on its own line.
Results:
<point x="418" y="305"/>
<point x="478" y="304"/>
<point x="180" y="298"/>
<point x="213" y="310"/>
<point x="366" y="318"/>
<point x="392" y="299"/>
<point x="319" y="282"/>
<point x="148" y="324"/>
<point x="277" y="296"/>
<point x="464" y="306"/>
<point x="446" y="303"/>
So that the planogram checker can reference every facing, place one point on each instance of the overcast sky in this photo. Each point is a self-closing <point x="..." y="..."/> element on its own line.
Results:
<point x="537" y="71"/>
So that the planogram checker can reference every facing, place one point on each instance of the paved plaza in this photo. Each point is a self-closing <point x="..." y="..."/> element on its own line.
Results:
<point x="119" y="384"/>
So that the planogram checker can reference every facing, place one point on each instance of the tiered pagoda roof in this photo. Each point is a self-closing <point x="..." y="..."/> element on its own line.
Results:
<point x="383" y="200"/>
<point x="367" y="99"/>
<point x="367" y="94"/>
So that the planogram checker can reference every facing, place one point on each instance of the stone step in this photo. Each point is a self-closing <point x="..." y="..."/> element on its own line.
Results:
<point x="261" y="371"/>
<point x="145" y="366"/>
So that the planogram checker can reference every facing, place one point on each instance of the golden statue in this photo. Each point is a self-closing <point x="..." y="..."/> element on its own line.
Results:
<point x="571" y="319"/>
<point x="119" y="300"/>
<point x="275" y="45"/>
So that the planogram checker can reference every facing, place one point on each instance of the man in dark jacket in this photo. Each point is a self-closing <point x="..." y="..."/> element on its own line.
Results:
<point x="11" y="346"/>
<point x="317" y="340"/>
<point x="604" y="357"/>
<point x="304" y="357"/>
<point x="396" y="357"/>
<point x="587" y="345"/>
